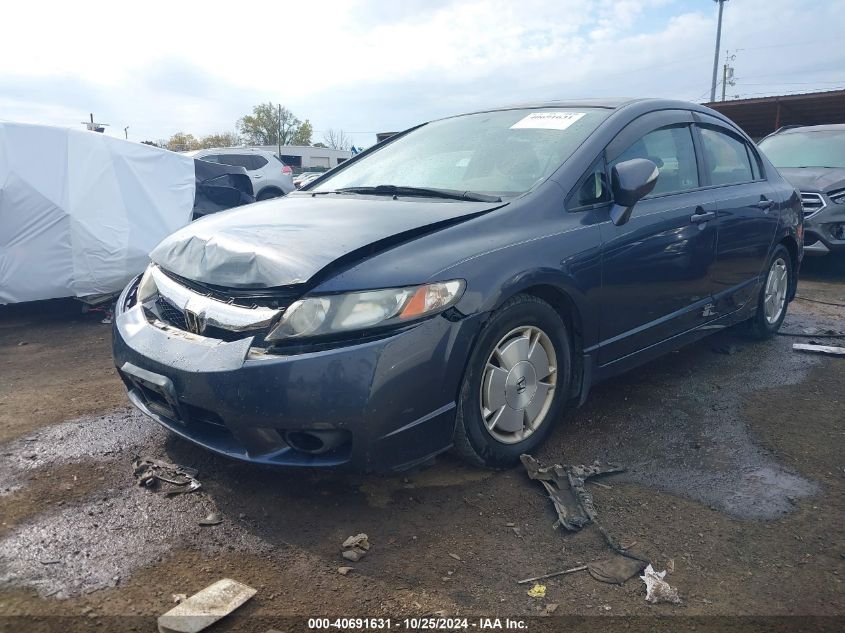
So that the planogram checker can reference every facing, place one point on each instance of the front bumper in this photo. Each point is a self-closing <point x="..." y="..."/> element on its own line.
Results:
<point x="824" y="231"/>
<point x="389" y="403"/>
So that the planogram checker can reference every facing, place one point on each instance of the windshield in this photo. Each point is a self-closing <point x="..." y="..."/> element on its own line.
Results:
<point x="503" y="153"/>
<point x="806" y="149"/>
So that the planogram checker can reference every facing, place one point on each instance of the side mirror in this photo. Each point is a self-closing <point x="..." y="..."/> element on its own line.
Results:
<point x="630" y="181"/>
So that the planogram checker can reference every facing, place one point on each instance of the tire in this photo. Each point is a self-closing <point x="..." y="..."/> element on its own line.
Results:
<point x="763" y="325"/>
<point x="521" y="317"/>
<point x="268" y="194"/>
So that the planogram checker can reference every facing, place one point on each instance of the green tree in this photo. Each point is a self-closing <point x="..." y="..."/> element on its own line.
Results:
<point x="267" y="120"/>
<point x="181" y="142"/>
<point x="302" y="135"/>
<point x="221" y="139"/>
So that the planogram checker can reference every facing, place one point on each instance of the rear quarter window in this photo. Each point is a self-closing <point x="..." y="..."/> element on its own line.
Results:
<point x="726" y="158"/>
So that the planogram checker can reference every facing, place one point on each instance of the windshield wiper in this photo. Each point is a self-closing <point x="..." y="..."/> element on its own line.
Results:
<point x="423" y="192"/>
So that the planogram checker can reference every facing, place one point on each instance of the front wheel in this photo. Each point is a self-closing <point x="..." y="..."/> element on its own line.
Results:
<point x="516" y="383"/>
<point x="772" y="300"/>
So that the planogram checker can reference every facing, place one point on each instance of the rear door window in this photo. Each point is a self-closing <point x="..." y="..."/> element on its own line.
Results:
<point x="258" y="162"/>
<point x="672" y="150"/>
<point x="725" y="157"/>
<point x="236" y="160"/>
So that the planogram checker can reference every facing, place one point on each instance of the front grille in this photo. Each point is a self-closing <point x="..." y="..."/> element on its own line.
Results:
<point x="279" y="297"/>
<point x="215" y="312"/>
<point x="812" y="203"/>
<point x="170" y="314"/>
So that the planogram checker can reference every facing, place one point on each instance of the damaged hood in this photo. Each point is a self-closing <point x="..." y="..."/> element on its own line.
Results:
<point x="288" y="240"/>
<point x="815" y="178"/>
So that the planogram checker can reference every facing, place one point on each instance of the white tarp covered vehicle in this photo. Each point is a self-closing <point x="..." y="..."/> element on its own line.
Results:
<point x="81" y="211"/>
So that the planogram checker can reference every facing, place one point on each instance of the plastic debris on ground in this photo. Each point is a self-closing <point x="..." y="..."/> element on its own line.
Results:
<point x="819" y="349"/>
<point x="537" y="591"/>
<point x="213" y="518"/>
<point x="658" y="590"/>
<point x="151" y="472"/>
<point x="206" y="607"/>
<point x="575" y="509"/>
<point x="355" y="547"/>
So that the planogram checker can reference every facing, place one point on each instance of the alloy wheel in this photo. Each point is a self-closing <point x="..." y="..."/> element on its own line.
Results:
<point x="518" y="385"/>
<point x="777" y="285"/>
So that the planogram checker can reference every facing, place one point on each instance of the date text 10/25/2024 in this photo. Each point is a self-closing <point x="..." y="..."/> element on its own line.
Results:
<point x="418" y="624"/>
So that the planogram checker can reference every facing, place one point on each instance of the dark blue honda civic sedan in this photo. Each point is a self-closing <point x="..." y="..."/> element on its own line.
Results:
<point x="460" y="285"/>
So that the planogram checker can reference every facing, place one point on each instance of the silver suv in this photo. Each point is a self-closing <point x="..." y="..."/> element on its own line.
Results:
<point x="270" y="177"/>
<point x="812" y="158"/>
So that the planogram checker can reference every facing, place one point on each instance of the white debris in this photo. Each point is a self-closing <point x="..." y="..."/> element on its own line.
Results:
<point x="657" y="589"/>
<point x="819" y="349"/>
<point x="206" y="607"/>
<point x="355" y="547"/>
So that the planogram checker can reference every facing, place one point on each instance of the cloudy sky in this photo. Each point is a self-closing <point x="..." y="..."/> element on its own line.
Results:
<point x="369" y="65"/>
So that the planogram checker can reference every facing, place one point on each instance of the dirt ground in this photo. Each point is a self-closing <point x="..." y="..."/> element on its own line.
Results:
<point x="735" y="479"/>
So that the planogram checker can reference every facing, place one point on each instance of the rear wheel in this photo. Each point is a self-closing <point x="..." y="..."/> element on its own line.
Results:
<point x="515" y="384"/>
<point x="772" y="300"/>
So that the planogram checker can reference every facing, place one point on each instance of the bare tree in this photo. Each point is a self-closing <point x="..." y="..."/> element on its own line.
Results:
<point x="337" y="139"/>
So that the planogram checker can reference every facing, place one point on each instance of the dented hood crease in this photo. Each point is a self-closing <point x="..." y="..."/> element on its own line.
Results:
<point x="288" y="240"/>
<point x="815" y="178"/>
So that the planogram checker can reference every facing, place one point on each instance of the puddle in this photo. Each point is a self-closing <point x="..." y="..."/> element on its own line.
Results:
<point x="678" y="427"/>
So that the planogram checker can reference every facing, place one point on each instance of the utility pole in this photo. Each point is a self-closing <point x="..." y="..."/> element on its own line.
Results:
<point x="727" y="73"/>
<point x="279" y="131"/>
<point x="93" y="126"/>
<point x="716" y="55"/>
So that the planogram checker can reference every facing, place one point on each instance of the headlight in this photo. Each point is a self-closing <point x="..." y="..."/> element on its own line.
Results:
<point x="332" y="314"/>
<point x="837" y="197"/>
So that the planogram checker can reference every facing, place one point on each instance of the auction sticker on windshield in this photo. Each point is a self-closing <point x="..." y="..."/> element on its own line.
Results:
<point x="548" y="120"/>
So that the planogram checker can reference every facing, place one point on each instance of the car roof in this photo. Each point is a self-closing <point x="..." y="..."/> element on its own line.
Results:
<point x="830" y="127"/>
<point x="239" y="150"/>
<point x="606" y="103"/>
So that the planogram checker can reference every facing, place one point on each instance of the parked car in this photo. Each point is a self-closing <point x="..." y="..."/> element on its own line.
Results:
<point x="271" y="178"/>
<point x="305" y="177"/>
<point x="220" y="187"/>
<point x="461" y="285"/>
<point x="813" y="159"/>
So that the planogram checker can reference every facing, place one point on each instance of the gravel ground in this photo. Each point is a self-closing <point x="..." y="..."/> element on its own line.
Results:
<point x="733" y="452"/>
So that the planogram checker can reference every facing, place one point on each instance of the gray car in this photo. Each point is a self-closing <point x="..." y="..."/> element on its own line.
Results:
<point x="812" y="158"/>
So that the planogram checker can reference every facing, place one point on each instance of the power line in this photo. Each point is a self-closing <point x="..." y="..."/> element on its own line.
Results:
<point x="807" y="43"/>
<point x="792" y="83"/>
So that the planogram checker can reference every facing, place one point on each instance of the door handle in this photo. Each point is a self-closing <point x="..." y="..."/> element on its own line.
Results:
<point x="703" y="216"/>
<point x="256" y="176"/>
<point x="765" y="204"/>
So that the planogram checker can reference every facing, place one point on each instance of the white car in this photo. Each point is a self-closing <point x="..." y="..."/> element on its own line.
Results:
<point x="305" y="177"/>
<point x="270" y="177"/>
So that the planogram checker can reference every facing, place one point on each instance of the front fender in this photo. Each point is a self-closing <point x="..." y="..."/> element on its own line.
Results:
<point x="568" y="263"/>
